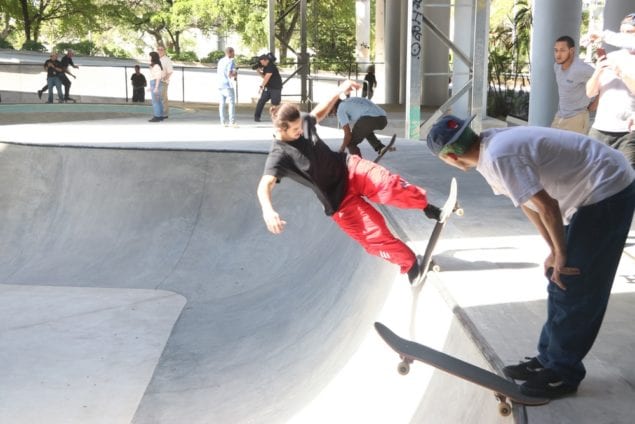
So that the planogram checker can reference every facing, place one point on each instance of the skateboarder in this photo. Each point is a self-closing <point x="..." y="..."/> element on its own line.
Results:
<point x="342" y="184"/>
<point x="580" y="195"/>
<point x="359" y="118"/>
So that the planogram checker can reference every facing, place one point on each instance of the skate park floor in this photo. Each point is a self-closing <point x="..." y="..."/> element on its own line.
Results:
<point x="139" y="285"/>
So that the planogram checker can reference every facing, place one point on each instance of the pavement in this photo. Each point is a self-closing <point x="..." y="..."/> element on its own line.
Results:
<point x="138" y="284"/>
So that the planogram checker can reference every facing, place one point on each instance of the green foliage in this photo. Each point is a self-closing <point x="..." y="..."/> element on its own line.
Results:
<point x="86" y="47"/>
<point x="4" y="44"/>
<point x="113" y="51"/>
<point x="509" y="44"/>
<point x="34" y="46"/>
<point x="214" y="57"/>
<point x="185" y="56"/>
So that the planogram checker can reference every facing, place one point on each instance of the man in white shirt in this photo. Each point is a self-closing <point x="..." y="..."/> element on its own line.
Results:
<point x="580" y="195"/>
<point x="226" y="75"/>
<point x="571" y="77"/>
<point x="613" y="81"/>
<point x="166" y="63"/>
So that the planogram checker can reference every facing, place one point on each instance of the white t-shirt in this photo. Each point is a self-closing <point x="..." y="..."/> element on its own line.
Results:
<point x="574" y="169"/>
<point x="617" y="104"/>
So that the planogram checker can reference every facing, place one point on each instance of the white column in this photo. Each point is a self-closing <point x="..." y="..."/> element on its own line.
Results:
<point x="552" y="19"/>
<point x="414" y="69"/>
<point x="362" y="30"/>
<point x="380" y="57"/>
<point x="464" y="39"/>
<point x="392" y="43"/>
<point x="435" y="55"/>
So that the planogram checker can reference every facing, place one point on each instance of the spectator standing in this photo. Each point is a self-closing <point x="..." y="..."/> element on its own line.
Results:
<point x="271" y="86"/>
<point x="226" y="76"/>
<point x="156" y="80"/>
<point x="139" y="83"/>
<point x="571" y="77"/>
<point x="616" y="107"/>
<point x="166" y="64"/>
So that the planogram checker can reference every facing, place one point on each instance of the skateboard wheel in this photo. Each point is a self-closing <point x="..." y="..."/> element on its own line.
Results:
<point x="459" y="212"/>
<point x="436" y="268"/>
<point x="403" y="368"/>
<point x="505" y="409"/>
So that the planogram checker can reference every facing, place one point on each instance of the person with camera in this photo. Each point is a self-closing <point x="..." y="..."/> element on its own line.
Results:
<point x="271" y="86"/>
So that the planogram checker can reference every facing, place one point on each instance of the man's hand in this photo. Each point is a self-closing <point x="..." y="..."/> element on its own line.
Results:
<point x="274" y="223"/>
<point x="555" y="264"/>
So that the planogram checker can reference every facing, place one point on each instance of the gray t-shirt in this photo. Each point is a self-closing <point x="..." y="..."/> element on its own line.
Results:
<point x="572" y="88"/>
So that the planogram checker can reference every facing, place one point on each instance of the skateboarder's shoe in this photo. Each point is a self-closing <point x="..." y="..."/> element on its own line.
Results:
<point x="39" y="94"/>
<point x="524" y="370"/>
<point x="432" y="212"/>
<point x="547" y="384"/>
<point x="414" y="273"/>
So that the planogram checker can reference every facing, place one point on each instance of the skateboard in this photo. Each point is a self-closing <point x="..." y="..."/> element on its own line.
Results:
<point x="503" y="389"/>
<point x="386" y="149"/>
<point x="451" y="205"/>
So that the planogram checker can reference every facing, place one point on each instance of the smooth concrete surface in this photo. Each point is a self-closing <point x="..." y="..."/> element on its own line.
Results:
<point x="134" y="255"/>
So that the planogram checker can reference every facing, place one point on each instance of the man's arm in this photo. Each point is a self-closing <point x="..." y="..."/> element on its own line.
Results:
<point x="547" y="218"/>
<point x="348" y="135"/>
<point x="274" y="223"/>
<point x="322" y="110"/>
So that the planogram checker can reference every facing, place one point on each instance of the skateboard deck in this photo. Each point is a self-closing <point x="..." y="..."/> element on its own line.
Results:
<point x="450" y="205"/>
<point x="386" y="149"/>
<point x="503" y="389"/>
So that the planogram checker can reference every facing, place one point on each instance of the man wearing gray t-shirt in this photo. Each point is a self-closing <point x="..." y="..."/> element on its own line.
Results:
<point x="571" y="77"/>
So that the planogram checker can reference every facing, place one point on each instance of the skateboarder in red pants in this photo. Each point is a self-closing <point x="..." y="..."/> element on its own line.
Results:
<point x="342" y="183"/>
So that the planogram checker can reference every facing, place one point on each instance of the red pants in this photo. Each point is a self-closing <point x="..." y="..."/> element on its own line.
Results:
<point x="361" y="221"/>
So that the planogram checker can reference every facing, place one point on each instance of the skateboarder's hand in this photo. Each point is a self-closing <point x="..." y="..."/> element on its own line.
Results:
<point x="274" y="223"/>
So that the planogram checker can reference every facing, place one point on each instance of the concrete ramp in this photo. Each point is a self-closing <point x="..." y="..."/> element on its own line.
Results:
<point x="244" y="326"/>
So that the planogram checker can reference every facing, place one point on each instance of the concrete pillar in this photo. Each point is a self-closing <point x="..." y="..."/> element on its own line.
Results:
<point x="464" y="39"/>
<point x="404" y="49"/>
<point x="380" y="57"/>
<point x="435" y="55"/>
<point x="392" y="43"/>
<point x="551" y="20"/>
<point x="614" y="12"/>
<point x="362" y="31"/>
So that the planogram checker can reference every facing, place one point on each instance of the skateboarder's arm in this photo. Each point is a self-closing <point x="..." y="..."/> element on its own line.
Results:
<point x="547" y="218"/>
<point x="273" y="221"/>
<point x="322" y="110"/>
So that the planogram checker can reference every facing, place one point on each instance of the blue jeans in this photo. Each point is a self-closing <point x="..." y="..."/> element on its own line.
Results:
<point x="157" y="105"/>
<point x="54" y="82"/>
<point x="227" y="94"/>
<point x="595" y="240"/>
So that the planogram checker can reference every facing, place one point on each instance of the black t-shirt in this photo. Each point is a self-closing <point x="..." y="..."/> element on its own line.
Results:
<point x="138" y="80"/>
<point x="67" y="61"/>
<point x="275" y="82"/>
<point x="310" y="162"/>
<point x="50" y="70"/>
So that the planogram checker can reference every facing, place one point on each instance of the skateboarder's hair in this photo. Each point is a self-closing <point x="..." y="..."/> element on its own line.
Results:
<point x="283" y="114"/>
<point x="462" y="145"/>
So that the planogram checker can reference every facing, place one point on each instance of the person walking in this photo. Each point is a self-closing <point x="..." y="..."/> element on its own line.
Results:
<point x="53" y="69"/>
<point x="67" y="62"/>
<point x="271" y="86"/>
<point x="343" y="184"/>
<point x="226" y="76"/>
<point x="156" y="81"/>
<point x="580" y="196"/>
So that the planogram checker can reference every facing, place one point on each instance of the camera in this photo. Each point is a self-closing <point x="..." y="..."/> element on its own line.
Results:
<point x="254" y="63"/>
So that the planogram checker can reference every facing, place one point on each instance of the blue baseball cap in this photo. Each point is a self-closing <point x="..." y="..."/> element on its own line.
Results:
<point x="447" y="130"/>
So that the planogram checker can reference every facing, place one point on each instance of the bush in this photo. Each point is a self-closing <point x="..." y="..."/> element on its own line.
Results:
<point x="86" y="48"/>
<point x="213" y="57"/>
<point x="34" y="46"/>
<point x="116" y="52"/>
<point x="4" y="44"/>
<point x="185" y="56"/>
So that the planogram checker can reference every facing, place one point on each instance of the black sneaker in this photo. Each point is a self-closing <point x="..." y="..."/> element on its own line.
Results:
<point x="432" y="212"/>
<point x="39" y="94"/>
<point x="414" y="273"/>
<point x="547" y="384"/>
<point x="524" y="370"/>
